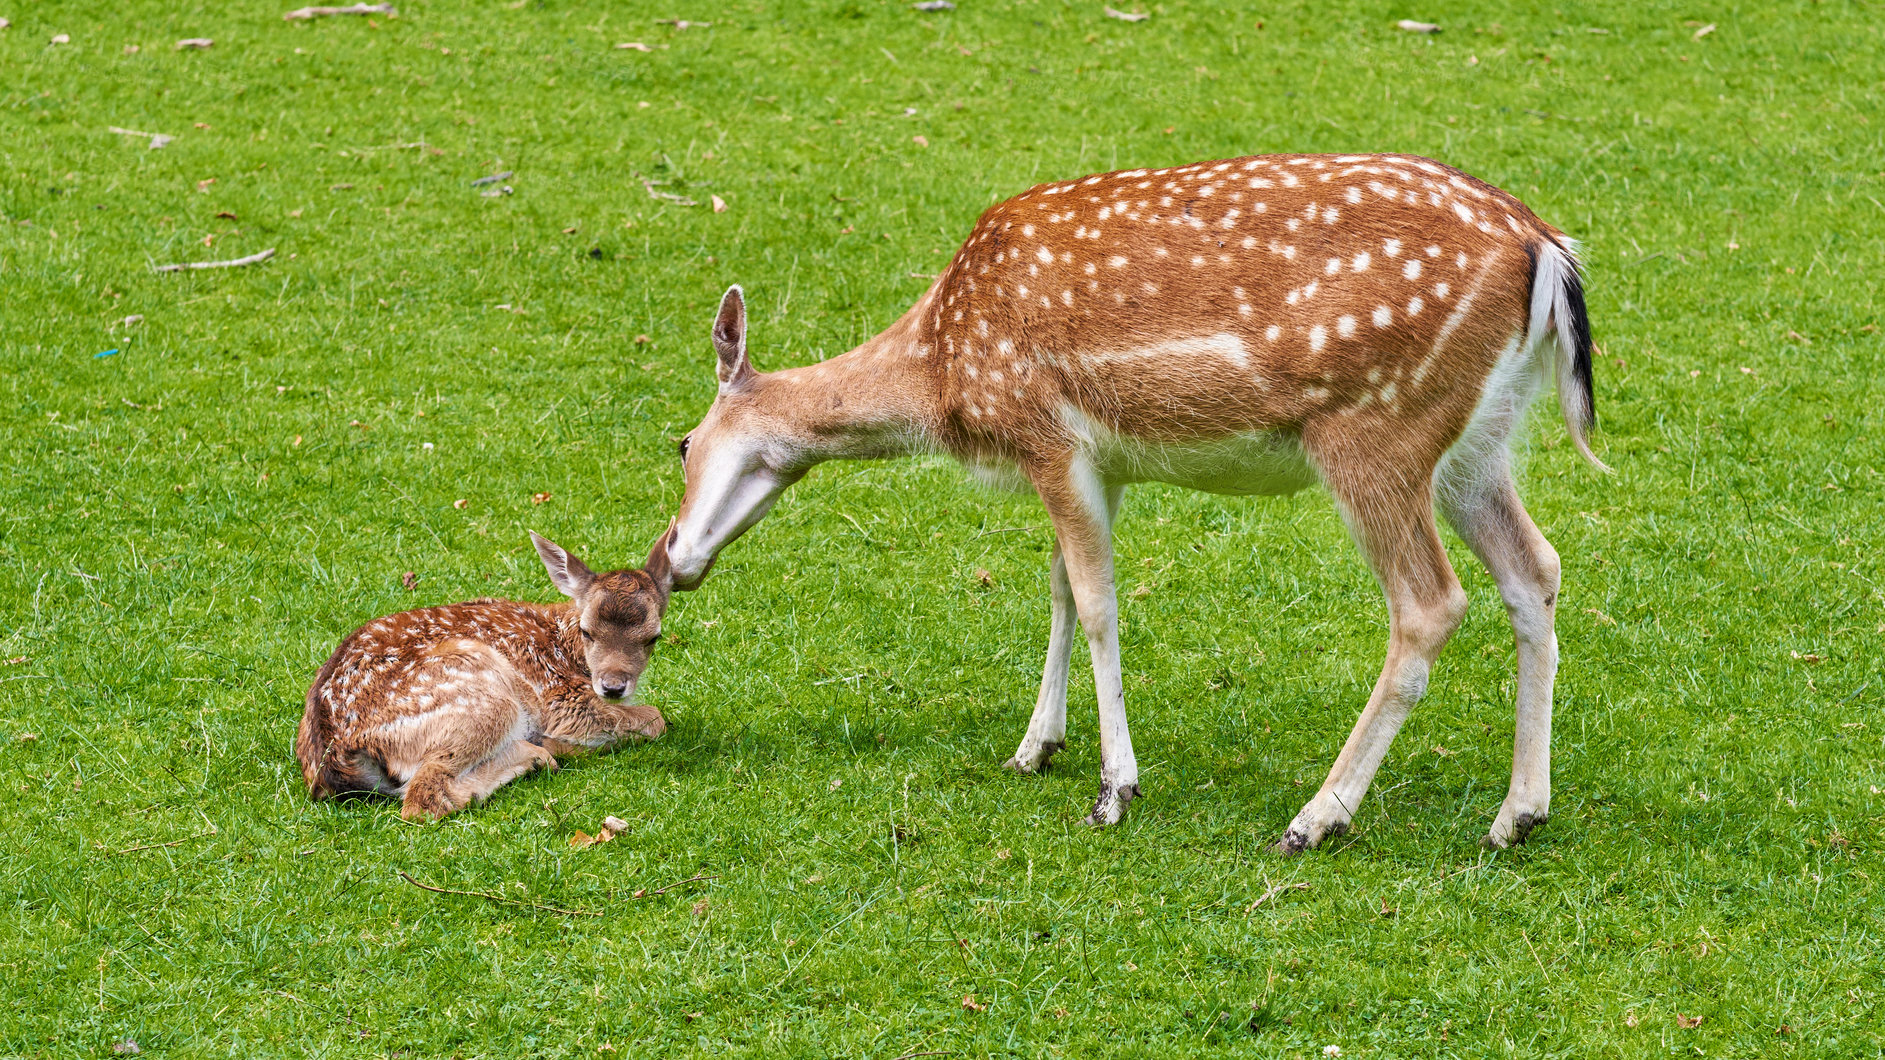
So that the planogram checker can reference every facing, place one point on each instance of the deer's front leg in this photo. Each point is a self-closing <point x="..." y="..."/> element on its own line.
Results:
<point x="1082" y="509"/>
<point x="1047" y="728"/>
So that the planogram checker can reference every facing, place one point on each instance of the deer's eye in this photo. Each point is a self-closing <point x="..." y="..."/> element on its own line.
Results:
<point x="654" y="640"/>
<point x="684" y="442"/>
<point x="588" y="636"/>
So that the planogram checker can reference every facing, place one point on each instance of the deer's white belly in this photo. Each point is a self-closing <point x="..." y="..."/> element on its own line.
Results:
<point x="1248" y="462"/>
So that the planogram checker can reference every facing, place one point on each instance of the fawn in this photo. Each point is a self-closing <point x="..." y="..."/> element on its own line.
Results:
<point x="444" y="705"/>
<point x="1377" y="323"/>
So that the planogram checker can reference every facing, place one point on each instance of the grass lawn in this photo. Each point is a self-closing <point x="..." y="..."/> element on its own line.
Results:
<point x="188" y="526"/>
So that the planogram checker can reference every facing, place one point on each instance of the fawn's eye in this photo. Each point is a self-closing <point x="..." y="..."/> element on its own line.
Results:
<point x="654" y="640"/>
<point x="588" y="636"/>
<point x="684" y="442"/>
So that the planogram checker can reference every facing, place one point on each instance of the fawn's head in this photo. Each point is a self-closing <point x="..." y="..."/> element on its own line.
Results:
<point x="618" y="614"/>
<point x="741" y="457"/>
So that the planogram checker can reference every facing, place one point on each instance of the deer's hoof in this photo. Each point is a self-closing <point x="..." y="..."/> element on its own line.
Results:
<point x="1034" y="759"/>
<point x="1517" y="832"/>
<point x="1111" y="804"/>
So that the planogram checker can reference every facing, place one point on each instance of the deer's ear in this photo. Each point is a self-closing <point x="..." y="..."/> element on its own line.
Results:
<point x="570" y="576"/>
<point x="658" y="569"/>
<point x="729" y="339"/>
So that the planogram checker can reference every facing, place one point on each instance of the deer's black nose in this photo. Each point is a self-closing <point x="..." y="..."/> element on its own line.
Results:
<point x="613" y="689"/>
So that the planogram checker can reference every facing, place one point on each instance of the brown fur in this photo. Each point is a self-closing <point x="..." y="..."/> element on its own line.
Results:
<point x="443" y="705"/>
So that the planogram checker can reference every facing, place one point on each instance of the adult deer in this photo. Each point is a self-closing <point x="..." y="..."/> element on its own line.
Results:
<point x="1375" y="322"/>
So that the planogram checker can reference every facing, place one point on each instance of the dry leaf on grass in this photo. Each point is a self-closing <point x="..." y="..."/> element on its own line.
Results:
<point x="125" y="1047"/>
<point x="632" y="46"/>
<point x="1127" y="16"/>
<point x="1688" y="1023"/>
<point x="1703" y="32"/>
<point x="61" y="38"/>
<point x="1412" y="26"/>
<point x="539" y="498"/>
<point x="987" y="579"/>
<point x="969" y="1004"/>
<point x="188" y="43"/>
<point x="719" y="204"/>
<point x="409" y="580"/>
<point x="461" y="504"/>
<point x="920" y="140"/>
<point x="700" y="907"/>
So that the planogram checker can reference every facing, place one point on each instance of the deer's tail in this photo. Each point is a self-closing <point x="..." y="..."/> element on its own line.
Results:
<point x="1558" y="312"/>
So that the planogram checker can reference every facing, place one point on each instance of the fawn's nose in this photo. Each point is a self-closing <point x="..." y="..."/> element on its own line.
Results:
<point x="612" y="687"/>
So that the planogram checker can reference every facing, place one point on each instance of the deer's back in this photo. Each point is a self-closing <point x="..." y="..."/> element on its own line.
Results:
<point x="368" y="685"/>
<point x="1243" y="298"/>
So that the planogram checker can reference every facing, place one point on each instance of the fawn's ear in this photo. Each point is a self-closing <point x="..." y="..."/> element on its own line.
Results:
<point x="570" y="576"/>
<point x="658" y="569"/>
<point x="729" y="340"/>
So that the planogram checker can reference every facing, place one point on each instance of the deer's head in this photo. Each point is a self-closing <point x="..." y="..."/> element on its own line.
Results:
<point x="618" y="614"/>
<point x="745" y="453"/>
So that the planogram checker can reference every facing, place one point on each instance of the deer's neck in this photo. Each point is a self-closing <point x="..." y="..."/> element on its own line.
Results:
<point x="873" y="402"/>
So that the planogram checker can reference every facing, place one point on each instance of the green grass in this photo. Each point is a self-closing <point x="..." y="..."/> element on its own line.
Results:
<point x="188" y="526"/>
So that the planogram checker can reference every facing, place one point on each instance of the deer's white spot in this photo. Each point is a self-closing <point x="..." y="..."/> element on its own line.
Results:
<point x="1161" y="253"/>
<point x="1464" y="214"/>
<point x="1272" y="333"/>
<point x="1310" y="291"/>
<point x="1243" y="308"/>
<point x="1292" y="224"/>
<point x="1250" y="242"/>
<point x="1293" y="297"/>
<point x="1414" y="305"/>
<point x="1318" y="335"/>
<point x="1383" y="316"/>
<point x="1433" y="252"/>
<point x="1460" y="261"/>
<point x="1392" y="248"/>
<point x="1353" y="195"/>
<point x="1028" y="231"/>
<point x="1046" y="256"/>
<point x="1087" y="268"/>
<point x="1334" y="266"/>
<point x="1020" y="290"/>
<point x="1440" y="290"/>
<point x="1345" y="326"/>
<point x="1117" y="261"/>
<point x="1388" y="392"/>
<point x="1066" y="298"/>
<point x="1411" y="270"/>
<point x="1197" y="260"/>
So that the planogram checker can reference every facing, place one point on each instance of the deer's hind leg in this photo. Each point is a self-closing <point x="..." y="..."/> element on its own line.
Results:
<point x="465" y="734"/>
<point x="1485" y="510"/>
<point x="1390" y="514"/>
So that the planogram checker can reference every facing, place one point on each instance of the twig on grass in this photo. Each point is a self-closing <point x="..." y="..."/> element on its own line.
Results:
<point x="233" y="263"/>
<point x="932" y="1052"/>
<point x="158" y="140"/>
<point x="1273" y="892"/>
<point x="302" y="14"/>
<point x="679" y="200"/>
<point x="160" y="846"/>
<point x="669" y="887"/>
<point x="493" y="178"/>
<point x="498" y="898"/>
